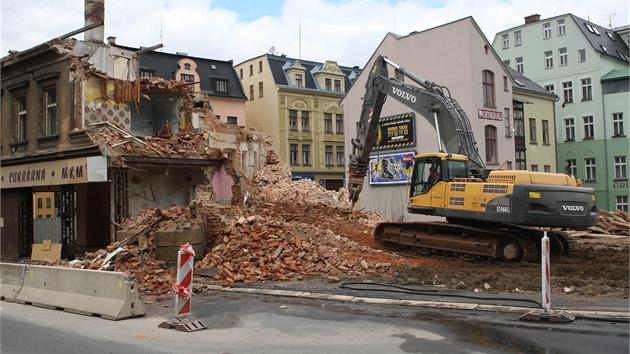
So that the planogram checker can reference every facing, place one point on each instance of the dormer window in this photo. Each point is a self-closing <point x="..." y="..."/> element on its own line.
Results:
<point x="187" y="66"/>
<point x="337" y="85"/>
<point x="610" y="36"/>
<point x="298" y="80"/>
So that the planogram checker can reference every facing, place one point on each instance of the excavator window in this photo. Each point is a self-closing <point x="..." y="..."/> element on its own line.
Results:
<point x="426" y="173"/>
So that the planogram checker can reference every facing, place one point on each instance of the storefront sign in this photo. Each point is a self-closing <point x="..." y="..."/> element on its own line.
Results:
<point x="49" y="173"/>
<point x="396" y="131"/>
<point x="492" y="115"/>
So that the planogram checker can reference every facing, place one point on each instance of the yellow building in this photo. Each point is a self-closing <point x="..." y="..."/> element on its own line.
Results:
<point x="44" y="205"/>
<point x="297" y="103"/>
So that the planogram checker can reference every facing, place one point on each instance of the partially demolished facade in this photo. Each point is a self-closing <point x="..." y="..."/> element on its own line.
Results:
<point x="70" y="116"/>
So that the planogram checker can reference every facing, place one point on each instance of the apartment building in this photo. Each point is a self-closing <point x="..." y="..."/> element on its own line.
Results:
<point x="586" y="65"/>
<point x="296" y="101"/>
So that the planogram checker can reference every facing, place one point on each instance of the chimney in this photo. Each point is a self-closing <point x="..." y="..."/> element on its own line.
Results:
<point x="532" y="18"/>
<point x="94" y="12"/>
<point x="111" y="40"/>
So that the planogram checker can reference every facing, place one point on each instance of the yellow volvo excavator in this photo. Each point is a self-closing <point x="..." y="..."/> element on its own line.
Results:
<point x="494" y="214"/>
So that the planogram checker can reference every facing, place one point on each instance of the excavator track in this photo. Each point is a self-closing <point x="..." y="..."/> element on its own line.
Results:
<point x="509" y="243"/>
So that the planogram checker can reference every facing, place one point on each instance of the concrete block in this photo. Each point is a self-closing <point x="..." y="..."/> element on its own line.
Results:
<point x="170" y="253"/>
<point x="176" y="238"/>
<point x="111" y="295"/>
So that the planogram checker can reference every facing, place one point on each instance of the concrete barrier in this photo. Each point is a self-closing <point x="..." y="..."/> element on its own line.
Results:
<point x="111" y="295"/>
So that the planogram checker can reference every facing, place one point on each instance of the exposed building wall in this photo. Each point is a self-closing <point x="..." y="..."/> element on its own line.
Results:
<point x="539" y="153"/>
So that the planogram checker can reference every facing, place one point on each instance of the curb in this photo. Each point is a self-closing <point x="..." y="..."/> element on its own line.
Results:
<point x="617" y="315"/>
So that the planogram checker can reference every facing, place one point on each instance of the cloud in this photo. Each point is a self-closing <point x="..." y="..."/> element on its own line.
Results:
<point x="347" y="31"/>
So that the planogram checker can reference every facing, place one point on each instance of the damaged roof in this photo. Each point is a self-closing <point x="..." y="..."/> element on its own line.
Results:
<point x="165" y="65"/>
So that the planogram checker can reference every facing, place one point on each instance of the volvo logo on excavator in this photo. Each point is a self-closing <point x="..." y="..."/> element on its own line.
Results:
<point x="573" y="208"/>
<point x="404" y="95"/>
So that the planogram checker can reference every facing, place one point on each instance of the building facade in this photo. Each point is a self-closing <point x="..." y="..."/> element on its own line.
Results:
<point x="474" y="75"/>
<point x="586" y="65"/>
<point x="532" y="124"/>
<point x="297" y="103"/>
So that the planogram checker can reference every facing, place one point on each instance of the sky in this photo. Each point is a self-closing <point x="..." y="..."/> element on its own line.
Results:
<point x="345" y="31"/>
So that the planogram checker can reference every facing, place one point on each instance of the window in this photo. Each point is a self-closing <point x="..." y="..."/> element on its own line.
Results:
<point x="221" y="86"/>
<point x="241" y="72"/>
<point x="488" y="88"/>
<point x="40" y="203"/>
<point x="293" y="125"/>
<point x="293" y="153"/>
<point x="518" y="40"/>
<point x="519" y="121"/>
<point x="187" y="66"/>
<point x="519" y="65"/>
<point x="532" y="131"/>
<point x="328" y="122"/>
<point x="571" y="167"/>
<point x="328" y="84"/>
<point x="50" y="98"/>
<point x="251" y="69"/>
<point x="564" y="58"/>
<point x="340" y="157"/>
<point x="549" y="60"/>
<point x="547" y="168"/>
<point x="260" y="89"/>
<point x="505" y="84"/>
<point x="620" y="167"/>
<point x="339" y="123"/>
<point x="534" y="168"/>
<point x="589" y="127"/>
<point x="232" y="120"/>
<point x="550" y="88"/>
<point x="506" y="62"/>
<point x="618" y="124"/>
<point x="622" y="203"/>
<point x="298" y="80"/>
<point x="251" y="92"/>
<point x="506" y="119"/>
<point x="545" y="131"/>
<point x="187" y="77"/>
<point x="146" y="73"/>
<point x="567" y="92"/>
<point x="305" y="121"/>
<point x="520" y="160"/>
<point x="329" y="155"/>
<point x="589" y="165"/>
<point x="506" y="41"/>
<point x="20" y="125"/>
<point x="491" y="143"/>
<point x="569" y="129"/>
<point x="47" y="202"/>
<point x="546" y="30"/>
<point x="582" y="55"/>
<point x="587" y="89"/>
<point x="306" y="154"/>
<point x="337" y="85"/>
<point x="260" y="66"/>
<point x="561" y="27"/>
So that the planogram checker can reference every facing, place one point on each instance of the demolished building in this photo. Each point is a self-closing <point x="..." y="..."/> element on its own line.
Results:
<point x="72" y="118"/>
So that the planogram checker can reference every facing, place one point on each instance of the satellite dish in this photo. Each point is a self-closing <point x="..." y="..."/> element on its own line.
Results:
<point x="272" y="50"/>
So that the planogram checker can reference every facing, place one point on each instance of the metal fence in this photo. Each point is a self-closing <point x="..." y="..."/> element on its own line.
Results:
<point x="47" y="229"/>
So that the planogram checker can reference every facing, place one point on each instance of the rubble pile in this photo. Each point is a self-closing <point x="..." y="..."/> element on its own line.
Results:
<point x="611" y="223"/>
<point x="118" y="143"/>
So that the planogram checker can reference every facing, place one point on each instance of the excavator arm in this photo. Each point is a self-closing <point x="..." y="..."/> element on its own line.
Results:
<point x="452" y="126"/>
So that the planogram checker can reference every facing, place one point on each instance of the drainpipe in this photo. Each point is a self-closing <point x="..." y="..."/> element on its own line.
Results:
<point x="605" y="147"/>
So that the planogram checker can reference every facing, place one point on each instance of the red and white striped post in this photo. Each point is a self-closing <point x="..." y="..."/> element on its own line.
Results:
<point x="546" y="276"/>
<point x="183" y="288"/>
<point x="546" y="314"/>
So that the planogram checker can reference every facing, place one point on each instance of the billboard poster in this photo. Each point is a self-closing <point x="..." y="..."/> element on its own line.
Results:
<point x="396" y="131"/>
<point x="393" y="168"/>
